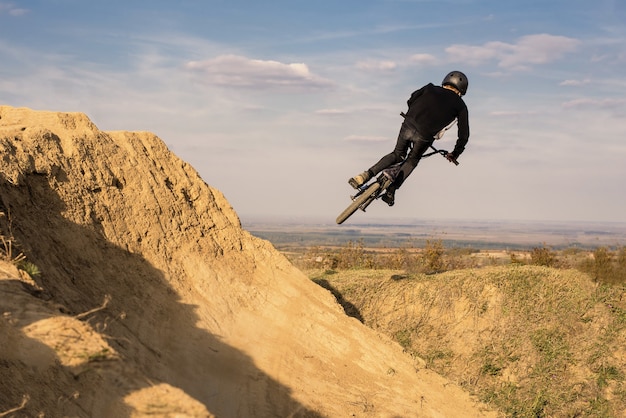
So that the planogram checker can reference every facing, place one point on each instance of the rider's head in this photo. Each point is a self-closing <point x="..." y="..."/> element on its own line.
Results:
<point x="456" y="79"/>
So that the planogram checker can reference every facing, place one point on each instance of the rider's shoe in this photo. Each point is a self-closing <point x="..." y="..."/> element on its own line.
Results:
<point x="360" y="179"/>
<point x="389" y="197"/>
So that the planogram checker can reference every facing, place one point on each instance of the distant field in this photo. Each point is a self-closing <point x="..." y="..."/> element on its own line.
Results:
<point x="482" y="235"/>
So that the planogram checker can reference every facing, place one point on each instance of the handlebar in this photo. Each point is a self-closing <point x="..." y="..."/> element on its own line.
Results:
<point x="442" y="152"/>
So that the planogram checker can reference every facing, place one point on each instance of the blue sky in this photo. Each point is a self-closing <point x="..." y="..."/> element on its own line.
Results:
<point x="278" y="103"/>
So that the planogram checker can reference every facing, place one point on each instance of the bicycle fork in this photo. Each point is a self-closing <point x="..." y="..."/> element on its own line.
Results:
<point x="383" y="181"/>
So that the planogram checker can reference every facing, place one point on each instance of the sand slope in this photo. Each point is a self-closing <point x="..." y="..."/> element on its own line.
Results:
<point x="202" y="318"/>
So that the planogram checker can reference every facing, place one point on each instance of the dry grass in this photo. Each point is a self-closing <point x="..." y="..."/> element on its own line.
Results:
<point x="9" y="250"/>
<point x="604" y="265"/>
<point x="533" y="341"/>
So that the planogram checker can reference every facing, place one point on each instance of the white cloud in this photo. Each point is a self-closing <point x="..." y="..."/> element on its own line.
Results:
<point x="238" y="71"/>
<point x="474" y="55"/>
<point x="372" y="65"/>
<point x="511" y="113"/>
<point x="363" y="138"/>
<point x="11" y="9"/>
<point x="331" y="112"/>
<point x="597" y="103"/>
<point x="425" y="59"/>
<point x="528" y="50"/>
<point x="575" y="82"/>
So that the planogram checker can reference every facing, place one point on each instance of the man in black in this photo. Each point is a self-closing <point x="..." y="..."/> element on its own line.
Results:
<point x="432" y="110"/>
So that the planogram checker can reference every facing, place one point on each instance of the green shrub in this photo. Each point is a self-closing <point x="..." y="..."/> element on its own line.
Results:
<point x="29" y="268"/>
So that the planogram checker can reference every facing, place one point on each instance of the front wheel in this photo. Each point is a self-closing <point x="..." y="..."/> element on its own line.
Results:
<point x="358" y="202"/>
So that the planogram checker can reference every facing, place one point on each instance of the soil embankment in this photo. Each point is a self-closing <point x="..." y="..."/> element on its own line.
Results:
<point x="152" y="299"/>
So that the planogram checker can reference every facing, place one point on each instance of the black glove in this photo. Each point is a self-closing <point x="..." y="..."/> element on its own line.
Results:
<point x="450" y="157"/>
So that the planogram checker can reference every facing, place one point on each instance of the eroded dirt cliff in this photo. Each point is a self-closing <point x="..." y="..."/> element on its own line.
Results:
<point x="152" y="299"/>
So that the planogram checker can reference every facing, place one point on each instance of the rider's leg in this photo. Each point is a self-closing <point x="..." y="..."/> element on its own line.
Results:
<point x="402" y="145"/>
<point x="419" y="148"/>
<point x="398" y="153"/>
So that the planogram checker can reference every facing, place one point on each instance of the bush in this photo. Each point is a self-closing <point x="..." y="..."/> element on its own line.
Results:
<point x="543" y="256"/>
<point x="605" y="266"/>
<point x="433" y="257"/>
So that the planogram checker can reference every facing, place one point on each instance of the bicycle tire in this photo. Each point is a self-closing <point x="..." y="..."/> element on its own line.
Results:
<point x="357" y="202"/>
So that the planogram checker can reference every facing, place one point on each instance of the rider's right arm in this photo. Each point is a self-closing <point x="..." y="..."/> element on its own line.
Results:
<point x="463" y="133"/>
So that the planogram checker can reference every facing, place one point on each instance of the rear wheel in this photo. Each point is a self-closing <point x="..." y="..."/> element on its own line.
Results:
<point x="358" y="202"/>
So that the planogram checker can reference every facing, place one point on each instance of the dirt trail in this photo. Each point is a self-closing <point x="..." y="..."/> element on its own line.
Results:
<point x="201" y="318"/>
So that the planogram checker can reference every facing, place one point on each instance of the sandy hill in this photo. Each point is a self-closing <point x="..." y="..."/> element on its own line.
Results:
<point x="153" y="301"/>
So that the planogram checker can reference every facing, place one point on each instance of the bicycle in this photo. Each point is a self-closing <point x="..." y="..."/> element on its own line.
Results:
<point x="374" y="189"/>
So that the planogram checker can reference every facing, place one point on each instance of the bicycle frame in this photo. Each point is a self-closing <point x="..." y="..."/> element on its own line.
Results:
<point x="373" y="190"/>
<point x="388" y="175"/>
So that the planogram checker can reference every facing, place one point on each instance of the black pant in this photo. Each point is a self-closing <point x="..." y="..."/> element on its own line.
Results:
<point x="406" y="136"/>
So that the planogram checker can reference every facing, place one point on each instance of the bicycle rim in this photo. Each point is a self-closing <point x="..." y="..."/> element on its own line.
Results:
<point x="358" y="202"/>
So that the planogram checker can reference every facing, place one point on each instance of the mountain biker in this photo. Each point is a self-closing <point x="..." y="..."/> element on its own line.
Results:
<point x="432" y="110"/>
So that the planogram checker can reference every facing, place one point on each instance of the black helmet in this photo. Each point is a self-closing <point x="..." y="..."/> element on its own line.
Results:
<point x="456" y="79"/>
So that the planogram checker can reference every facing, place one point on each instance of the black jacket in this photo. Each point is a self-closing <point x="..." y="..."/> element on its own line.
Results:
<point x="432" y="108"/>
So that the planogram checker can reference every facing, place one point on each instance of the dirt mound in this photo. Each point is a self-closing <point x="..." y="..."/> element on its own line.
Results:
<point x="152" y="300"/>
<point x="531" y="340"/>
